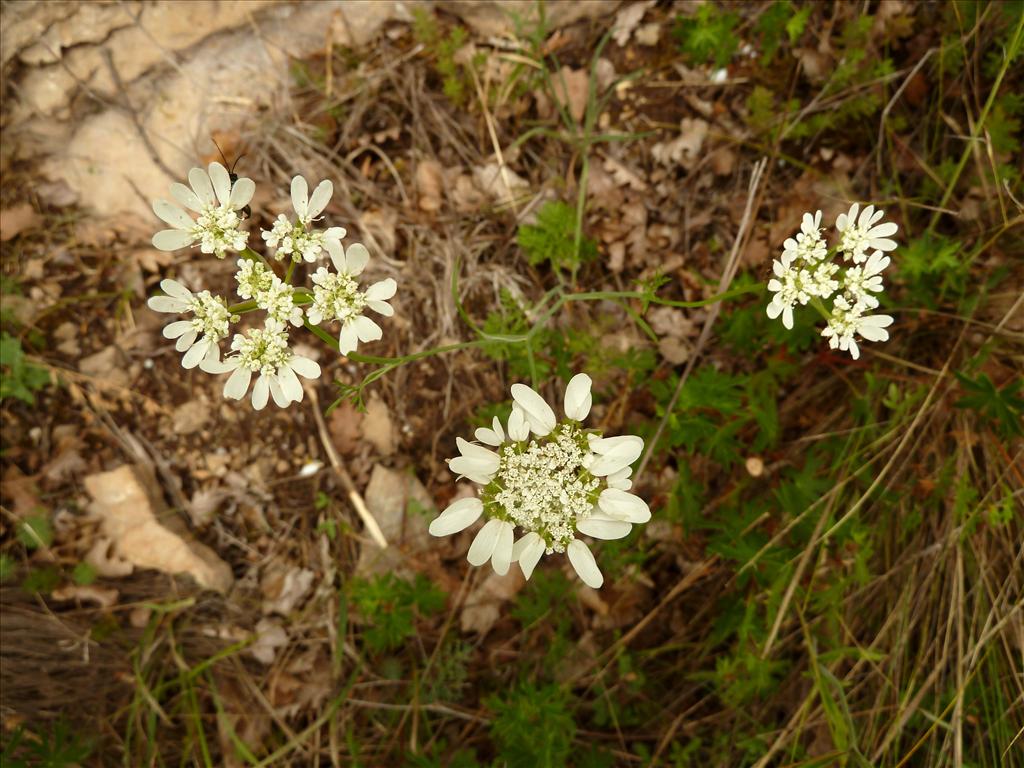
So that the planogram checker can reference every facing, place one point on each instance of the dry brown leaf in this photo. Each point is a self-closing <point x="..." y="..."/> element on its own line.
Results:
<point x="152" y="260"/>
<point x="283" y="587"/>
<point x="483" y="605"/>
<point x="685" y="149"/>
<point x="627" y="19"/>
<point x="572" y="87"/>
<point x="270" y="636"/>
<point x="377" y="428"/>
<point x="146" y="533"/>
<point x="345" y="426"/>
<point x="17" y="219"/>
<point x="429" y="184"/>
<point x="501" y="184"/>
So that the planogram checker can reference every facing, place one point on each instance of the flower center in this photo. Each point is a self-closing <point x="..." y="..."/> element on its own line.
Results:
<point x="211" y="316"/>
<point x="544" y="487"/>
<point x="336" y="296"/>
<point x="263" y="349"/>
<point x="293" y="240"/>
<point x="217" y="230"/>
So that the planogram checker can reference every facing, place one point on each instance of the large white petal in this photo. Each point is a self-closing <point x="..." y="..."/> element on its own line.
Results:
<point x="186" y="197"/>
<point x="175" y="289"/>
<point x="348" y="339"/>
<point x="518" y="429"/>
<point x="300" y="197"/>
<point x="241" y="193"/>
<point x="177" y="328"/>
<point x="172" y="214"/>
<point x="221" y="182"/>
<point x="337" y="254"/>
<point x="321" y="197"/>
<point x="615" y="453"/>
<point x="260" y="393"/>
<point x="276" y="392"/>
<point x="366" y="329"/>
<point x="583" y="561"/>
<point x="238" y="383"/>
<point x="172" y="239"/>
<point x="538" y="413"/>
<point x="200" y="182"/>
<point x="482" y="548"/>
<point x="528" y="551"/>
<point x="305" y="367"/>
<point x="383" y="290"/>
<point x="381" y="307"/>
<point x="457" y="516"/>
<point x="167" y="304"/>
<point x="357" y="257"/>
<point x="625" y="506"/>
<point x="476" y="469"/>
<point x="501" y="559"/>
<point x="186" y="340"/>
<point x="290" y="384"/>
<point x="578" y="398"/>
<point x="494" y="436"/>
<point x="604" y="527"/>
<point x="217" y="366"/>
<point x="195" y="354"/>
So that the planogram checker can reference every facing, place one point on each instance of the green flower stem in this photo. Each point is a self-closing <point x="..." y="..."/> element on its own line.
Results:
<point x="241" y="309"/>
<point x="819" y="305"/>
<point x="288" y="272"/>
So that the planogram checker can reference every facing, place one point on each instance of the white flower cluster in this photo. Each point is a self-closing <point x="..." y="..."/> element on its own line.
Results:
<point x="806" y="273"/>
<point x="264" y="351"/>
<point x="299" y="240"/>
<point x="271" y="294"/>
<point x="217" y="200"/>
<point x="562" y="481"/>
<point x="336" y="296"/>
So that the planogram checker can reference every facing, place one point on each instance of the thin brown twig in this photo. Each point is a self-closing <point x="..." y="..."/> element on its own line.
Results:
<point x="372" y="527"/>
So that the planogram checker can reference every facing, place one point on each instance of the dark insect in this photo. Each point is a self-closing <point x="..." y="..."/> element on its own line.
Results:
<point x="246" y="211"/>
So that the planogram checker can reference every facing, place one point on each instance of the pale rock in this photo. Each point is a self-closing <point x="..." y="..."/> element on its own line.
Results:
<point x="402" y="508"/>
<point x="188" y="418"/>
<point x="503" y="18"/>
<point x="269" y="637"/>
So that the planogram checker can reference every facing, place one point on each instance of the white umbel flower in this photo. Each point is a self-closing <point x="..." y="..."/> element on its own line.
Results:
<point x="264" y="351"/>
<point x="199" y="337"/>
<point x="848" y="321"/>
<point x="271" y="294"/>
<point x="552" y="479"/>
<point x="805" y="274"/>
<point x="299" y="240"/>
<point x="860" y="234"/>
<point x="217" y="201"/>
<point x="336" y="296"/>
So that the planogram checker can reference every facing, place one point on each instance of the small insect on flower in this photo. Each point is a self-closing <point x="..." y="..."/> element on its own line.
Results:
<point x="246" y="211"/>
<point x="563" y="481"/>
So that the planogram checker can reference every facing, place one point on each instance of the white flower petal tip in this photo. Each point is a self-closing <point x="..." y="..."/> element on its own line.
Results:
<point x="494" y="436"/>
<point x="493" y="542"/>
<point x="618" y="504"/>
<point x="602" y="527"/>
<point x="528" y="552"/>
<point x="456" y="517"/>
<point x="538" y="413"/>
<point x="583" y="562"/>
<point x="615" y="453"/>
<point x="518" y="429"/>
<point x="578" y="398"/>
